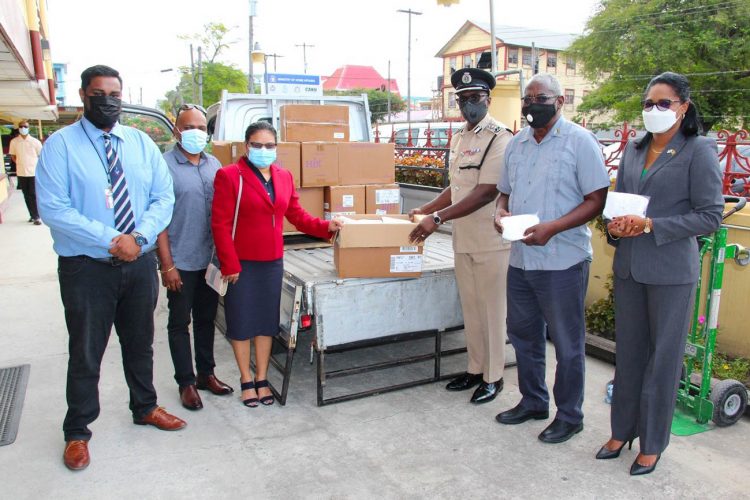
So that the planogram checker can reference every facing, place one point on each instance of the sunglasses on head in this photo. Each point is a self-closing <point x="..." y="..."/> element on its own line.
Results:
<point x="661" y="104"/>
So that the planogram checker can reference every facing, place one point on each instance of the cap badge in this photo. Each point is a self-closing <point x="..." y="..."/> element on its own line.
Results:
<point x="466" y="78"/>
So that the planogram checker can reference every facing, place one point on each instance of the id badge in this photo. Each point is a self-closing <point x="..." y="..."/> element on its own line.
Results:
<point x="109" y="200"/>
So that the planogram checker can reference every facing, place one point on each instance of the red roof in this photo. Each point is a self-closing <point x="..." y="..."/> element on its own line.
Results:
<point x="358" y="77"/>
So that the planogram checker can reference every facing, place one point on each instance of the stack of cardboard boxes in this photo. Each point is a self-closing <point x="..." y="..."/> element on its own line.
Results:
<point x="335" y="177"/>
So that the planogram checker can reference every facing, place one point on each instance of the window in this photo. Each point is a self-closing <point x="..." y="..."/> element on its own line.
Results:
<point x="512" y="57"/>
<point x="451" y="100"/>
<point x="551" y="62"/>
<point x="526" y="58"/>
<point x="402" y="136"/>
<point x="467" y="61"/>
<point x="157" y="130"/>
<point x="453" y="66"/>
<point x="570" y="64"/>
<point x="570" y="97"/>
<point x="477" y="57"/>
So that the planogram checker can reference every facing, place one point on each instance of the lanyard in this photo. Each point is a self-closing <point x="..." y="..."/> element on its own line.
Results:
<point x="103" y="160"/>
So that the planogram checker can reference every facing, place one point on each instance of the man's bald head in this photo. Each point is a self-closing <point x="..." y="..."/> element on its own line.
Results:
<point x="190" y="119"/>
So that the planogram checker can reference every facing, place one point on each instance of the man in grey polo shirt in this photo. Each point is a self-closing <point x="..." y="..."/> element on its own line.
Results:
<point x="185" y="249"/>
<point x="554" y="169"/>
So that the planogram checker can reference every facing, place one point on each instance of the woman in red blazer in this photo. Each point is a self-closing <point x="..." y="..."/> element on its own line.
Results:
<point x="253" y="262"/>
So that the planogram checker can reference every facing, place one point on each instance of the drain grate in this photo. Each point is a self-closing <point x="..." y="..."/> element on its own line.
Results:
<point x="12" y="390"/>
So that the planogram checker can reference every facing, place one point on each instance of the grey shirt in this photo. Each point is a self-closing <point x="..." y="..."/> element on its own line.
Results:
<point x="190" y="239"/>
<point x="550" y="179"/>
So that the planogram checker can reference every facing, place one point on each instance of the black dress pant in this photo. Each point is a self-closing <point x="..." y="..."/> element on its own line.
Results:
<point x="28" y="186"/>
<point x="97" y="295"/>
<point x="200" y="300"/>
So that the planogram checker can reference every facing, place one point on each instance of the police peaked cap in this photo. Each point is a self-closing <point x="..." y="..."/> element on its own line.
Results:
<point x="472" y="79"/>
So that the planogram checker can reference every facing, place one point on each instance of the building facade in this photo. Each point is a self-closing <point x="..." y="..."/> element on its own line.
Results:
<point x="527" y="49"/>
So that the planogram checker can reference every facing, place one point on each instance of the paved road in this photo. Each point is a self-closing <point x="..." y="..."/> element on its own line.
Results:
<point x="417" y="443"/>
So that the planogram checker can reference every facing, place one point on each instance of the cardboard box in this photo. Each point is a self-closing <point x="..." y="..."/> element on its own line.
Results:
<point x="343" y="200"/>
<point x="379" y="249"/>
<point x="366" y="163"/>
<point x="288" y="157"/>
<point x="382" y="199"/>
<point x="320" y="164"/>
<point x="314" y="122"/>
<point x="311" y="200"/>
<point x="228" y="152"/>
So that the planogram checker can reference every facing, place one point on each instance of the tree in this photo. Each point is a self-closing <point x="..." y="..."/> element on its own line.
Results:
<point x="216" y="77"/>
<point x="628" y="42"/>
<point x="377" y="99"/>
<point x="212" y="41"/>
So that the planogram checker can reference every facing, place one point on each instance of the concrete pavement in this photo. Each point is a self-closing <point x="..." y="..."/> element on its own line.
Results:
<point x="418" y="443"/>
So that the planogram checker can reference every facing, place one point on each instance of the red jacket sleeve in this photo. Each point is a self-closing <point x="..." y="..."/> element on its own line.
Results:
<point x="305" y="222"/>
<point x="222" y="218"/>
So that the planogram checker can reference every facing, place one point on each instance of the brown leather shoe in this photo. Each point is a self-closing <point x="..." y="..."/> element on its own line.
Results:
<point x="76" y="455"/>
<point x="213" y="384"/>
<point x="160" y="419"/>
<point x="190" y="398"/>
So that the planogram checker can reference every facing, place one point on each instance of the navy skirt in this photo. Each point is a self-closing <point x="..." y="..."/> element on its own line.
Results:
<point x="251" y="306"/>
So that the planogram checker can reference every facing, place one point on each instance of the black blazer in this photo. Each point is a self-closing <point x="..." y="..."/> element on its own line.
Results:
<point x="684" y="186"/>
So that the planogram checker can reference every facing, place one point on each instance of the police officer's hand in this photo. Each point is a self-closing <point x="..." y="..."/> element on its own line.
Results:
<point x="423" y="230"/>
<point x="172" y="280"/>
<point x="539" y="234"/>
<point x="415" y="211"/>
<point x="124" y="247"/>
<point x="499" y="214"/>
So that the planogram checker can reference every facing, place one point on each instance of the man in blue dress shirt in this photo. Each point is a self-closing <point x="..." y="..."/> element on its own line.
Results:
<point x="106" y="193"/>
<point x="554" y="169"/>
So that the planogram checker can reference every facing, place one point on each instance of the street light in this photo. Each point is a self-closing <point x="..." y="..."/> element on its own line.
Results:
<point x="258" y="57"/>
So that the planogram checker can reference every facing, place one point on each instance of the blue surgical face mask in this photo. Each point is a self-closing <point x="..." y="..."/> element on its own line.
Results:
<point x="261" y="157"/>
<point x="193" y="140"/>
<point x="24" y="130"/>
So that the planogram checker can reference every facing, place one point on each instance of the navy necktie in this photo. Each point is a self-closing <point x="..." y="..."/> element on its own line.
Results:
<point x="124" y="218"/>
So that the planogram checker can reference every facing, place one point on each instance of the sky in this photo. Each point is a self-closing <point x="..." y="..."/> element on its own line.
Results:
<point x="140" y="38"/>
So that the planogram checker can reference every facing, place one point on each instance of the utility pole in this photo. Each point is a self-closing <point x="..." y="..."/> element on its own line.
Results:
<point x="250" y="82"/>
<point x="389" y="91"/>
<point x="534" y="59"/>
<point x="304" y="52"/>
<point x="408" y="69"/>
<point x="200" y="76"/>
<point x="493" y="43"/>
<point x="192" y="74"/>
<point x="274" y="60"/>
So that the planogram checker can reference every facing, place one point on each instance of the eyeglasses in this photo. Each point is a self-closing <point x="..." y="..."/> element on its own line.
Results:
<point x="260" y="145"/>
<point x="474" y="98"/>
<point x="538" y="99"/>
<point x="661" y="104"/>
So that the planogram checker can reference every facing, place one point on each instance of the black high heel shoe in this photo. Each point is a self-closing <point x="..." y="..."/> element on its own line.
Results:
<point x="605" y="453"/>
<point x="265" y="400"/>
<point x="249" y="402"/>
<point x="638" y="470"/>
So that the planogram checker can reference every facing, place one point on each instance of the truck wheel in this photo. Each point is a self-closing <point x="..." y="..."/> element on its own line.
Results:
<point x="730" y="399"/>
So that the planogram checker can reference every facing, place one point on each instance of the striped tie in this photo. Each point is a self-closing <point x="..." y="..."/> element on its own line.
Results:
<point x="124" y="218"/>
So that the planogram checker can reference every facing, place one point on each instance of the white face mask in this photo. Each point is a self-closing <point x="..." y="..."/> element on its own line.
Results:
<point x="24" y="130"/>
<point x="658" y="122"/>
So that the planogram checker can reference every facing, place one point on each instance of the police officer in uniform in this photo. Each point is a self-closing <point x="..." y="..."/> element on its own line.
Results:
<point x="481" y="257"/>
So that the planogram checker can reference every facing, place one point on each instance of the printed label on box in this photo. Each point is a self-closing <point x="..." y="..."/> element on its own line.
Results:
<point x="387" y="196"/>
<point x="326" y="206"/>
<point x="406" y="263"/>
<point x="347" y="200"/>
<point x="380" y="211"/>
<point x="338" y="135"/>
<point x="409" y="249"/>
<point x="330" y="215"/>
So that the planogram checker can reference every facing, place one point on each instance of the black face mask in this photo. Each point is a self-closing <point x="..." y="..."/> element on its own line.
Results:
<point x="538" y="115"/>
<point x="103" y="110"/>
<point x="473" y="113"/>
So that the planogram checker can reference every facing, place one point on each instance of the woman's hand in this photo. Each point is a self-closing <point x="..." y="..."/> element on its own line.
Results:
<point x="172" y="280"/>
<point x="627" y="226"/>
<point x="231" y="278"/>
<point x="335" y="224"/>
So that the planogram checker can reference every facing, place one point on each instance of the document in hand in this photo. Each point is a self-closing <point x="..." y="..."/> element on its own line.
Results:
<point x="515" y="225"/>
<point x="619" y="204"/>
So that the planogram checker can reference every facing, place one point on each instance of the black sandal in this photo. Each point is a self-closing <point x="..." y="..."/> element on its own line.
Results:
<point x="265" y="400"/>
<point x="249" y="402"/>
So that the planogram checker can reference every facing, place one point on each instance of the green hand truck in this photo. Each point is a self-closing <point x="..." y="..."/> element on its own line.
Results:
<point x="725" y="402"/>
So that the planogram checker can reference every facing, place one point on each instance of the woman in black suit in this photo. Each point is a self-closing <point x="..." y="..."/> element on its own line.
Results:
<point x="656" y="264"/>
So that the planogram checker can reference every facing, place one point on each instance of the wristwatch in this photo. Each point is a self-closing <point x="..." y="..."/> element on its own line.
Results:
<point x="436" y="219"/>
<point x="647" y="227"/>
<point x="140" y="240"/>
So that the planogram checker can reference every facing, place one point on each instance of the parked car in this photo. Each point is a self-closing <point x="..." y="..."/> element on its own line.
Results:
<point x="441" y="132"/>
